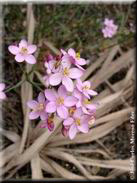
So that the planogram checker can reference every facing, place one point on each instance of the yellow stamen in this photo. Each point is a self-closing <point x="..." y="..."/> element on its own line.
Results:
<point x="78" y="55"/>
<point x="66" y="71"/>
<point x="72" y="110"/>
<point x="60" y="101"/>
<point x="86" y="101"/>
<point x="77" y="121"/>
<point x="24" y="50"/>
<point x="57" y="64"/>
<point x="40" y="107"/>
<point x="86" y="87"/>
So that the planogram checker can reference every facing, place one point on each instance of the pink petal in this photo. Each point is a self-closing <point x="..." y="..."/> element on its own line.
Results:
<point x="83" y="127"/>
<point x="91" y="106"/>
<point x="2" y="96"/>
<point x="62" y="92"/>
<point x="86" y="83"/>
<point x="79" y="85"/>
<point x="70" y="101"/>
<point x="78" y="113"/>
<point x="13" y="49"/>
<point x="72" y="52"/>
<point x="85" y="92"/>
<point x="63" y="51"/>
<point x="19" y="57"/>
<point x="30" y="59"/>
<point x="68" y="83"/>
<point x="55" y="79"/>
<point x="23" y="43"/>
<point x="32" y="104"/>
<point x="31" y="49"/>
<point x="85" y="110"/>
<point x="51" y="107"/>
<point x="81" y="61"/>
<point x="68" y="122"/>
<point x="33" y="115"/>
<point x="73" y="131"/>
<point x="62" y="112"/>
<point x="66" y="61"/>
<point x="41" y="98"/>
<point x="77" y="94"/>
<point x="75" y="73"/>
<point x="92" y="92"/>
<point x="43" y="115"/>
<point x="2" y="86"/>
<point x="50" y="94"/>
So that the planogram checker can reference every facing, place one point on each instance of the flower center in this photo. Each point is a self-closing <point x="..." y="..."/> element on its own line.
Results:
<point x="77" y="121"/>
<point x="72" y="110"/>
<point x="24" y="50"/>
<point x="86" y="87"/>
<point x="60" y="101"/>
<point x="86" y="101"/>
<point x="57" y="64"/>
<point x="78" y="55"/>
<point x="40" y="107"/>
<point x="66" y="71"/>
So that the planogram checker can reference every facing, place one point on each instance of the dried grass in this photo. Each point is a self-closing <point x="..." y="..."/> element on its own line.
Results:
<point x="44" y="146"/>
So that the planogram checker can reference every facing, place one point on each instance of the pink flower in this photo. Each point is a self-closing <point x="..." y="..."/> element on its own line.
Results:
<point x="53" y="65"/>
<point x="110" y="28"/>
<point x="38" y="107"/>
<point x="65" y="76"/>
<point x="23" y="52"/>
<point x="2" y="94"/>
<point x="84" y="103"/>
<point x="77" y="123"/>
<point x="59" y="101"/>
<point x="85" y="88"/>
<point x="73" y="58"/>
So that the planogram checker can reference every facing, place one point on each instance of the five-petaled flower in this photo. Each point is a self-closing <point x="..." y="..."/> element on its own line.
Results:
<point x="65" y="76"/>
<point x="77" y="123"/>
<point x="38" y="107"/>
<point x="59" y="101"/>
<point x="85" y="88"/>
<point x="23" y="52"/>
<point x="110" y="28"/>
<point x="73" y="58"/>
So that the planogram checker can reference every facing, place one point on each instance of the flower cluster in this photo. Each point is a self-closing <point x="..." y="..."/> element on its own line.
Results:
<point x="110" y="28"/>
<point x="66" y="96"/>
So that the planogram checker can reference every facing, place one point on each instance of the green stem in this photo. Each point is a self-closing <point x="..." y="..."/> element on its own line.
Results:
<point x="35" y="85"/>
<point x="15" y="86"/>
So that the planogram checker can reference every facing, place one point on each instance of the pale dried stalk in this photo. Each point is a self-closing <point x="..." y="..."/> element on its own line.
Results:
<point x="7" y="153"/>
<point x="36" y="167"/>
<point x="70" y="158"/>
<point x="80" y="150"/>
<point x="117" y="164"/>
<point x="14" y="137"/>
<point x="26" y="88"/>
<point x="68" y="174"/>
<point x="113" y="68"/>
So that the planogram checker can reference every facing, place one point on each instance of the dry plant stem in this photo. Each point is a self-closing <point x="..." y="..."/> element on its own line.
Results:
<point x="36" y="167"/>
<point x="27" y="90"/>
<point x="31" y="151"/>
<point x="70" y="158"/>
